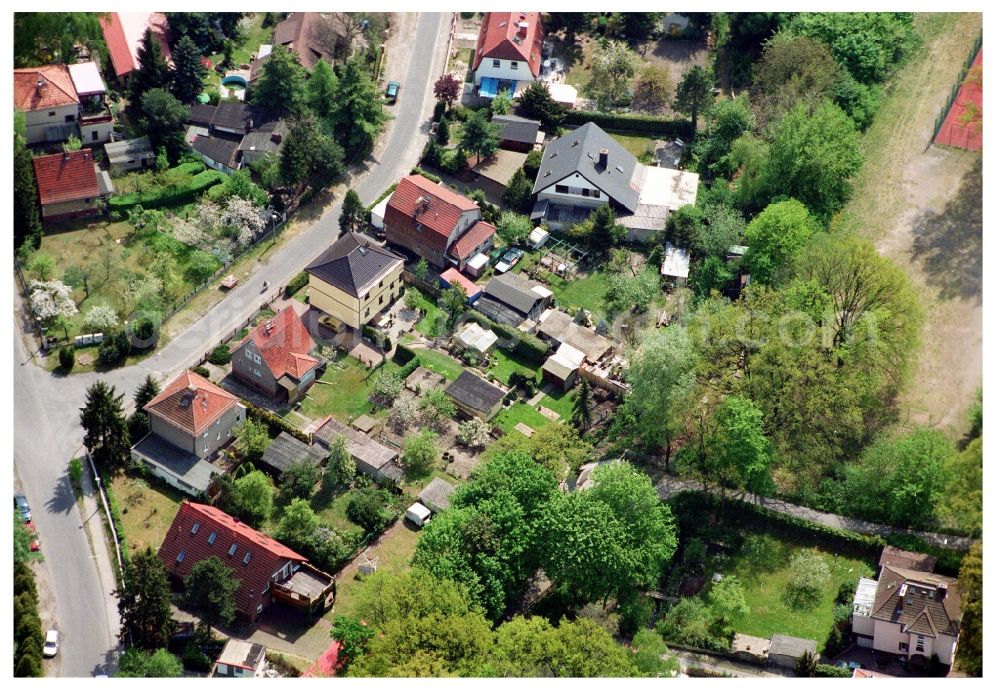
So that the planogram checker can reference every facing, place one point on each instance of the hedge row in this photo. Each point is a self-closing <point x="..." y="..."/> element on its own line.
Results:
<point x="116" y="517"/>
<point x="409" y="367"/>
<point x="385" y="194"/>
<point x="417" y="171"/>
<point x="828" y="671"/>
<point x="667" y="127"/>
<point x="296" y="283"/>
<point x="275" y="425"/>
<point x="404" y="355"/>
<point x="527" y="346"/>
<point x="168" y="197"/>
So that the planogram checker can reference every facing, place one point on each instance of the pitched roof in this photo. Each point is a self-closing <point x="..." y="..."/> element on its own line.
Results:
<point x="124" y="32"/>
<point x="436" y="494"/>
<point x="472" y="239"/>
<point x="201" y="114"/>
<point x="360" y="445"/>
<point x="907" y="560"/>
<point x="454" y="278"/>
<point x="475" y="392"/>
<point x="296" y="32"/>
<point x="514" y="290"/>
<point x="190" y="469"/>
<point x="191" y="403"/>
<point x="425" y="210"/>
<point x="219" y="149"/>
<point x="511" y="36"/>
<point x="284" y="344"/>
<point x="923" y="603"/>
<point x="286" y="451"/>
<point x="266" y="555"/>
<point x="353" y="262"/>
<point x="578" y="152"/>
<point x="66" y="176"/>
<point x="56" y="89"/>
<point x="561" y="327"/>
<point x="517" y="129"/>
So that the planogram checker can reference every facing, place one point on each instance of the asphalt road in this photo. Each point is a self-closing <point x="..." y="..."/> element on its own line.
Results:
<point x="46" y="423"/>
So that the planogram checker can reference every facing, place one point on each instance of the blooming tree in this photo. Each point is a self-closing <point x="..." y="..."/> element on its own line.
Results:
<point x="197" y="229"/>
<point x="52" y="299"/>
<point x="244" y="218"/>
<point x="101" y="317"/>
<point x="403" y="414"/>
<point x="473" y="433"/>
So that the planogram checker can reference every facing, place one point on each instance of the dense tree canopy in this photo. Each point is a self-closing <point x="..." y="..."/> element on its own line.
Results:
<point x="188" y="73"/>
<point x="774" y="238"/>
<point x="144" y="602"/>
<point x="969" y="654"/>
<point x="282" y="82"/>
<point x="358" y="118"/>
<point x="163" y="119"/>
<point x="868" y="44"/>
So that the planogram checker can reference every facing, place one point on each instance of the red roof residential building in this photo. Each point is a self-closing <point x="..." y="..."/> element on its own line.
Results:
<point x="265" y="568"/>
<point x="67" y="184"/>
<point x="124" y="32"/>
<point x="433" y="221"/>
<point x="511" y="36"/>
<point x="45" y="87"/>
<point x="191" y="403"/>
<point x="456" y="279"/>
<point x="282" y="345"/>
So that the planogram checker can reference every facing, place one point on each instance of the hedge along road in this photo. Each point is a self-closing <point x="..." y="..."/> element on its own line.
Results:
<point x="47" y="432"/>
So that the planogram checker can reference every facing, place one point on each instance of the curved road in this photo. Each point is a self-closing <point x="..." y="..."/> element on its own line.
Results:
<point x="46" y="423"/>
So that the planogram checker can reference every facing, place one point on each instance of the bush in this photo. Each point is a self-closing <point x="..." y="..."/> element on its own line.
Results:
<point x="409" y="367"/>
<point x="114" y="349"/>
<point x="531" y="348"/>
<point x="195" y="660"/>
<point x="67" y="357"/>
<point x="417" y="171"/>
<point x="75" y="470"/>
<point x="828" y="671"/>
<point x="372" y="509"/>
<point x="296" y="283"/>
<point x="220" y="355"/>
<point x="666" y="127"/>
<point x="201" y="371"/>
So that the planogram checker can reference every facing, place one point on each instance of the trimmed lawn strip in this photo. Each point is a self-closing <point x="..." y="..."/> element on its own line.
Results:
<point x="335" y="513"/>
<point x="506" y="363"/>
<point x="641" y="147"/>
<point x="432" y="323"/>
<point x="581" y="293"/>
<point x="347" y="395"/>
<point x="438" y="362"/>
<point x="562" y="403"/>
<point x="394" y="554"/>
<point x="520" y="412"/>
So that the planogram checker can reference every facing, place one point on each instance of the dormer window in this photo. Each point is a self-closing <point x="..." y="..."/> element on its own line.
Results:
<point x="194" y="529"/>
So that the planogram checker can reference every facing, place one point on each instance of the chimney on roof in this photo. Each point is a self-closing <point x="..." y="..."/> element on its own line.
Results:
<point x="942" y="591"/>
<point x="602" y="158"/>
<point x="40" y="85"/>
<point x="249" y="123"/>
<point x="276" y="137"/>
<point x="204" y="402"/>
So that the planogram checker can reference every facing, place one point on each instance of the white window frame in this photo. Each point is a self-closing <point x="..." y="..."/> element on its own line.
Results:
<point x="256" y="359"/>
<point x="496" y="62"/>
<point x="513" y="65"/>
<point x="249" y="353"/>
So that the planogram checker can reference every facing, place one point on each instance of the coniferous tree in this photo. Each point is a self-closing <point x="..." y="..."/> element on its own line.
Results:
<point x="103" y="421"/>
<point x="147" y="391"/>
<point x="480" y="137"/>
<point x="358" y="118"/>
<point x="352" y="213"/>
<point x="144" y="602"/>
<point x="321" y="89"/>
<point x="583" y="406"/>
<point x="694" y="94"/>
<point x="443" y="131"/>
<point x="282" y="82"/>
<point x="152" y="73"/>
<point x="189" y="73"/>
<point x="27" y="223"/>
<point x="210" y="589"/>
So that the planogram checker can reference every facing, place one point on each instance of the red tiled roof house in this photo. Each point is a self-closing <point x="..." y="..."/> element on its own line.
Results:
<point x="124" y="33"/>
<point x="67" y="185"/>
<point x="189" y="421"/>
<point x="508" y="51"/>
<point x="275" y="357"/>
<point x="267" y="570"/>
<point x="435" y="223"/>
<point x="49" y="101"/>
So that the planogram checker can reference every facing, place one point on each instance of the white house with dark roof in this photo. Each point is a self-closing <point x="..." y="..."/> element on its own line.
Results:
<point x="587" y="169"/>
<point x="354" y="280"/>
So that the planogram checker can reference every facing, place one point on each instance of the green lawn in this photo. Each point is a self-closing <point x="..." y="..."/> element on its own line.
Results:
<point x="520" y="412"/>
<point x="335" y="513"/>
<point x="393" y="555"/>
<point x="562" y="403"/>
<point x="641" y="147"/>
<point x="765" y="574"/>
<point x="346" y="396"/>
<point x="147" y="510"/>
<point x="433" y="321"/>
<point x="255" y="37"/>
<point x="439" y="362"/>
<point x="586" y="292"/>
<point x="506" y="363"/>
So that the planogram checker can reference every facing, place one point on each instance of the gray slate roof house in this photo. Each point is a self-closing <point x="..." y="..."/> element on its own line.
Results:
<point x="785" y="650"/>
<point x="435" y="495"/>
<point x="221" y="149"/>
<point x="285" y="451"/>
<point x="511" y="298"/>
<point x="921" y="603"/>
<point x="375" y="460"/>
<point x="353" y="261"/>
<point x="518" y="133"/>
<point x="475" y="396"/>
<point x="576" y="153"/>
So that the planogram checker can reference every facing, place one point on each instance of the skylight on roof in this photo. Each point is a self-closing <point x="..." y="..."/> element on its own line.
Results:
<point x="620" y="169"/>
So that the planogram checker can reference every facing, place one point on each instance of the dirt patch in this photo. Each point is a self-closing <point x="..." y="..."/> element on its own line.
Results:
<point x="922" y="207"/>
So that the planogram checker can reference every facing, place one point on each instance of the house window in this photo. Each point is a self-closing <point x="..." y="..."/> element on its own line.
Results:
<point x="204" y="449"/>
<point x="380" y="283"/>
<point x="256" y="359"/>
<point x="248" y="353"/>
<point x="920" y="643"/>
<point x="218" y="435"/>
<point x="211" y="537"/>
<point x="232" y="550"/>
<point x="595" y="193"/>
<point x="70" y="119"/>
<point x="562" y="189"/>
<point x="367" y="295"/>
<point x="368" y="311"/>
<point x="93" y="136"/>
<point x="194" y="529"/>
<point x="53" y="113"/>
<point x="903" y="646"/>
<point x="180" y="556"/>
<point x="246" y="559"/>
<point x="205" y="436"/>
<point x="513" y="65"/>
<point x="256" y="372"/>
<point x="496" y="64"/>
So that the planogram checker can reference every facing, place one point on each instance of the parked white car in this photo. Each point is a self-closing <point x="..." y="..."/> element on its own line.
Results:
<point x="51" y="643"/>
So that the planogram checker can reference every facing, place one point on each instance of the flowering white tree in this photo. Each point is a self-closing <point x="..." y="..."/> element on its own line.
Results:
<point x="51" y="299"/>
<point x="197" y="230"/>
<point x="403" y="414"/>
<point x="135" y="286"/>
<point x="473" y="433"/>
<point x="101" y="317"/>
<point x="244" y="218"/>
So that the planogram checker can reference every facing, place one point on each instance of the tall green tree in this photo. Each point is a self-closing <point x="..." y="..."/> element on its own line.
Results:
<point x="252" y="439"/>
<point x="340" y="467"/>
<point x="793" y="69"/>
<point x="144" y="602"/>
<point x="652" y="90"/>
<point x="282" y="83"/>
<point x="210" y="590"/>
<point x="105" y="430"/>
<point x="775" y="236"/>
<point x="694" y="94"/>
<point x="738" y="452"/>
<point x="46" y="37"/>
<point x="969" y="654"/>
<point x="358" y="118"/>
<point x="533" y="647"/>
<point x="537" y="102"/>
<point x="189" y="72"/>
<point x="309" y="156"/>
<point x="812" y="158"/>
<point x="27" y="221"/>
<point x="163" y="119"/>
<point x="480" y="136"/>
<point x="321" y="89"/>
<point x="517" y="195"/>
<point x="583" y="406"/>
<point x="138" y="663"/>
<point x="353" y="215"/>
<point x="253" y="498"/>
<point x="145" y="392"/>
<point x="727" y="120"/>
<point x="600" y="231"/>
<point x="152" y="73"/>
<point x="614" y="67"/>
<point x="352" y="635"/>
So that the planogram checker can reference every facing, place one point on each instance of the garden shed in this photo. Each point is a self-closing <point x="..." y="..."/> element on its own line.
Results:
<point x="435" y="495"/>
<point x="785" y="650"/>
<point x="285" y="451"/>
